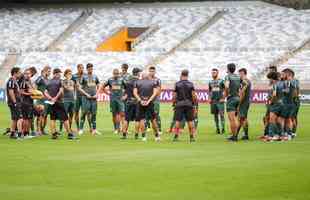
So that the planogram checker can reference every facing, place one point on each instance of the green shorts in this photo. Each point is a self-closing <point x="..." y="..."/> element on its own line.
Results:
<point x="287" y="111"/>
<point x="89" y="105"/>
<point x="217" y="108"/>
<point x="157" y="106"/>
<point x="117" y="106"/>
<point x="69" y="107"/>
<point x="232" y="104"/>
<point x="276" y="108"/>
<point x="243" y="110"/>
<point x="78" y="103"/>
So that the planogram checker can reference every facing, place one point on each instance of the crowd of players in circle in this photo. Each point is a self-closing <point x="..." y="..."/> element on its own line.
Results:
<point x="134" y="97"/>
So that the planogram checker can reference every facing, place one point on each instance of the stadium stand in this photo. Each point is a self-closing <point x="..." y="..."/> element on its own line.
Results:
<point x="33" y="29"/>
<point x="300" y="64"/>
<point x="174" y="24"/>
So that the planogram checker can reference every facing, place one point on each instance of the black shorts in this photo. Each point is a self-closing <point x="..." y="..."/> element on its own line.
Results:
<point x="144" y="110"/>
<point x="16" y="112"/>
<point x="186" y="112"/>
<point x="27" y="111"/>
<point x="58" y="112"/>
<point x="131" y="110"/>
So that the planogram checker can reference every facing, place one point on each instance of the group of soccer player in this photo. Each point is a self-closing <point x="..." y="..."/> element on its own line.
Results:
<point x="135" y="97"/>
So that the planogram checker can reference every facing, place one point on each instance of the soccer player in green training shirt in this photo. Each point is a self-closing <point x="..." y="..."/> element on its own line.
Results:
<point x="89" y="86"/>
<point x="296" y="100"/>
<point x="232" y="86"/>
<point x="116" y="91"/>
<point x="41" y="84"/>
<point x="77" y="78"/>
<point x="245" y="98"/>
<point x="152" y="76"/>
<point x="291" y="92"/>
<point x="68" y="94"/>
<point x="216" y="90"/>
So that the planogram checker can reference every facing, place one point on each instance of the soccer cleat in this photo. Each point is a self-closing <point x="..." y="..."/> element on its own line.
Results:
<point x="192" y="140"/>
<point x="54" y="136"/>
<point x="13" y="136"/>
<point x="232" y="139"/>
<point x="116" y="132"/>
<point x="81" y="132"/>
<point x="218" y="131"/>
<point x="245" y="137"/>
<point x="157" y="139"/>
<point x="160" y="133"/>
<point x="144" y="139"/>
<point x="223" y="131"/>
<point x="71" y="136"/>
<point x="136" y="136"/>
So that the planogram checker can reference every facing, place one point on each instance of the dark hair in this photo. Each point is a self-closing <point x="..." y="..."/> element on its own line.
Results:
<point x="273" y="68"/>
<point x="231" y="67"/>
<point x="56" y="70"/>
<point x="185" y="72"/>
<point x="67" y="71"/>
<point x="135" y="71"/>
<point x="289" y="71"/>
<point x="243" y="70"/>
<point x="15" y="70"/>
<point x="79" y="65"/>
<point x="125" y="66"/>
<point x="33" y="70"/>
<point x="152" y="68"/>
<point x="273" y="75"/>
<point x="89" y="65"/>
<point x="214" y="69"/>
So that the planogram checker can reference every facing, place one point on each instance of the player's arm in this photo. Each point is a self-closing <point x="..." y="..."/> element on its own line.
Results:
<point x="154" y="95"/>
<point x="136" y="95"/>
<point x="80" y="89"/>
<point x="226" y="87"/>
<point x="11" y="92"/>
<point x="106" y="87"/>
<point x="60" y="92"/>
<point x="194" y="96"/>
<point x="48" y="96"/>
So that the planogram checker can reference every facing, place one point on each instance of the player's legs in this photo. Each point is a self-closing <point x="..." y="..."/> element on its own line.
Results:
<point x="157" y="111"/>
<point x="93" y="117"/>
<point x="77" y="107"/>
<point x="232" y="105"/>
<point x="85" y="111"/>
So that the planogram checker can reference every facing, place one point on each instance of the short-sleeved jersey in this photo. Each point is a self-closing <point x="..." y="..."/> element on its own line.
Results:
<point x="26" y="85"/>
<point x="184" y="90"/>
<point x="89" y="84"/>
<point x="53" y="87"/>
<point x="12" y="85"/>
<point x="216" y="89"/>
<point x="41" y="83"/>
<point x="145" y="88"/>
<point x="234" y="85"/>
<point x="278" y="88"/>
<point x="77" y="78"/>
<point x="246" y="85"/>
<point x="69" y="88"/>
<point x="129" y="86"/>
<point x="116" y="86"/>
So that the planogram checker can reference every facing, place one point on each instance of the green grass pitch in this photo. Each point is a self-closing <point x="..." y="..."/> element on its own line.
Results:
<point x="105" y="168"/>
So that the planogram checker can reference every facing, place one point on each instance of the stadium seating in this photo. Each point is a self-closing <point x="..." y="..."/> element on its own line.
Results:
<point x="103" y="62"/>
<point x="174" y="25"/>
<point x="33" y="29"/>
<point x="300" y="64"/>
<point x="256" y="28"/>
